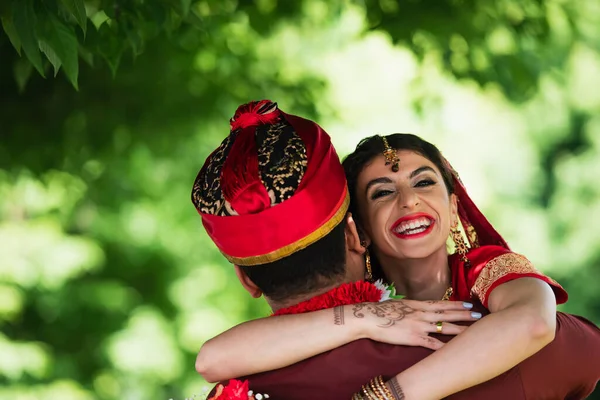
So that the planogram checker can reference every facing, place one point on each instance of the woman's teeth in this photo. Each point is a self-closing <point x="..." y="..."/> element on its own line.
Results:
<point x="413" y="227"/>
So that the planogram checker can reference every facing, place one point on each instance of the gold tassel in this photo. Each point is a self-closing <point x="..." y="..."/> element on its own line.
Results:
<point x="459" y="244"/>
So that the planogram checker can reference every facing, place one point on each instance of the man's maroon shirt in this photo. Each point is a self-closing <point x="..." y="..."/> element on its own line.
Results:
<point x="568" y="368"/>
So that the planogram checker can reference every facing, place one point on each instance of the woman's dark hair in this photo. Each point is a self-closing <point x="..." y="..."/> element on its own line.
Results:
<point x="371" y="147"/>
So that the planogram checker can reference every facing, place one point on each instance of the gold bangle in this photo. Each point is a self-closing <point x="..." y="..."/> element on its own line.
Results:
<point x="387" y="392"/>
<point x="366" y="392"/>
<point x="376" y="385"/>
<point x="382" y="389"/>
<point x="374" y="391"/>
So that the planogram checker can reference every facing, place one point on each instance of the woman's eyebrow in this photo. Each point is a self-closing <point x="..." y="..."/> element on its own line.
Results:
<point x="421" y="169"/>
<point x="376" y="181"/>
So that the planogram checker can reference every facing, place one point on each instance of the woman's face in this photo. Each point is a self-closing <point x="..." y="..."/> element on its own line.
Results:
<point x="406" y="214"/>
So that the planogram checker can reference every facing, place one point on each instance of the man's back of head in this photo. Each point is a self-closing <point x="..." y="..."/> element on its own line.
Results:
<point x="273" y="198"/>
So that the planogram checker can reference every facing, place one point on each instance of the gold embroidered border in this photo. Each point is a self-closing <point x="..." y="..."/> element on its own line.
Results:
<point x="299" y="244"/>
<point x="499" y="267"/>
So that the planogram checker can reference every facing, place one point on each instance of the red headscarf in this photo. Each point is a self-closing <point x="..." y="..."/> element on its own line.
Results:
<point x="478" y="229"/>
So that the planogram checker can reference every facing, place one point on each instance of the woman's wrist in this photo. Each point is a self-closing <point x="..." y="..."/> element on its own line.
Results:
<point x="377" y="389"/>
<point x="355" y="328"/>
<point x="395" y="389"/>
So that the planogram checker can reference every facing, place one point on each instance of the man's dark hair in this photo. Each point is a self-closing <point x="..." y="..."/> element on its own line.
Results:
<point x="315" y="267"/>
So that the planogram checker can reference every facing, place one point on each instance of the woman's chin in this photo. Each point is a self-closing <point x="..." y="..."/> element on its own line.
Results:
<point x="417" y="251"/>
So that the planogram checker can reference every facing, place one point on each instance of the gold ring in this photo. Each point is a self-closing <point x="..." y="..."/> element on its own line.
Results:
<point x="438" y="327"/>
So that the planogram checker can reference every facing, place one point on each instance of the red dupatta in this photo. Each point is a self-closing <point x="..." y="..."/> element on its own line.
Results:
<point x="478" y="229"/>
<point x="491" y="262"/>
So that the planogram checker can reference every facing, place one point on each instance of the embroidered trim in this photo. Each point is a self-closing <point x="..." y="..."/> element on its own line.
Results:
<point x="501" y="266"/>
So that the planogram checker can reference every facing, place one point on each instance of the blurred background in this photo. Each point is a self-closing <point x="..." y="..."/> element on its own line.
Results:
<point x="108" y="282"/>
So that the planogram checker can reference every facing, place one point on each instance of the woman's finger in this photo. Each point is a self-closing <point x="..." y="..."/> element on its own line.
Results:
<point x="434" y="305"/>
<point x="427" y="342"/>
<point x="446" y="305"/>
<point x="449" y="316"/>
<point x="444" y="328"/>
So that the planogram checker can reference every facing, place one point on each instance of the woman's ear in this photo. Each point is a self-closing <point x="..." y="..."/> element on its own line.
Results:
<point x="247" y="283"/>
<point x="354" y="238"/>
<point x="453" y="209"/>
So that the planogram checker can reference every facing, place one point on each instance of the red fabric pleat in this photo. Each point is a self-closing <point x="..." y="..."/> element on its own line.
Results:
<point x="240" y="179"/>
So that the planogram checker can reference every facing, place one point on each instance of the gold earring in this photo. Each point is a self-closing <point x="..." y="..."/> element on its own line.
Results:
<point x="369" y="267"/>
<point x="459" y="244"/>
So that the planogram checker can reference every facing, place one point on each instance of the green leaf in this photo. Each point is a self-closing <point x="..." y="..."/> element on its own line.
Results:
<point x="77" y="10"/>
<point x="12" y="34"/>
<point x="51" y="55"/>
<point x="62" y="41"/>
<point x="110" y="47"/>
<point x="25" y="23"/>
<point x="22" y="72"/>
<point x="99" y="18"/>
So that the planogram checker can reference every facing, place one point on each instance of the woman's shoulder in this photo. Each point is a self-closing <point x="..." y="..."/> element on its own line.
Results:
<point x="485" y="254"/>
<point x="493" y="265"/>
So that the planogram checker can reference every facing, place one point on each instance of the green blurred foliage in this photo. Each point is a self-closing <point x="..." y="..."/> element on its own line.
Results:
<point x="108" y="283"/>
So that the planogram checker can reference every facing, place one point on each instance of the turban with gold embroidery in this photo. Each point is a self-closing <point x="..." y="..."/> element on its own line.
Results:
<point x="274" y="186"/>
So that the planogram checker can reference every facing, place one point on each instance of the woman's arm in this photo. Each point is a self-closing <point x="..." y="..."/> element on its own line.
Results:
<point x="275" y="342"/>
<point x="522" y="321"/>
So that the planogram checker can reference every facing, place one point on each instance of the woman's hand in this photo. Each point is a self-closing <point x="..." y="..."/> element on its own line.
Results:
<point x="407" y="322"/>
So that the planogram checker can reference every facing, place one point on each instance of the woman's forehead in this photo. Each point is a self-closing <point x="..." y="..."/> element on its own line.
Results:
<point x="409" y="161"/>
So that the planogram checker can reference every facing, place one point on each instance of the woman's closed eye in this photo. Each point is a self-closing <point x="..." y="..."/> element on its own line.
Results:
<point x="425" y="182"/>
<point x="380" y="193"/>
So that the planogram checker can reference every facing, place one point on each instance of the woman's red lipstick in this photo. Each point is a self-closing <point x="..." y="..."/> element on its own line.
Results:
<point x="410" y="218"/>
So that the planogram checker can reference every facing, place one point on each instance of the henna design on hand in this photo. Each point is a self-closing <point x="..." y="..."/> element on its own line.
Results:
<point x="338" y="315"/>
<point x="391" y="311"/>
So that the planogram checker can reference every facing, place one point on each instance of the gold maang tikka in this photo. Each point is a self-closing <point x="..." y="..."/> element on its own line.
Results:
<point x="390" y="155"/>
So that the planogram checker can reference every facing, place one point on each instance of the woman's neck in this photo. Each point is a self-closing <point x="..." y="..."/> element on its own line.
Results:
<point x="419" y="279"/>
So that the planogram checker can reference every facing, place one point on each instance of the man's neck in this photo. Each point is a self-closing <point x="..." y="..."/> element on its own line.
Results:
<point x="292" y="301"/>
<point x="419" y="279"/>
<point x="344" y="294"/>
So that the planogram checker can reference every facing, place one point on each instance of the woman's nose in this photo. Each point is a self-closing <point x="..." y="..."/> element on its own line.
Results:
<point x="408" y="198"/>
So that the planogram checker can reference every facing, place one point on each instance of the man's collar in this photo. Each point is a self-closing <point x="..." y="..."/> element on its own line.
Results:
<point x="348" y="293"/>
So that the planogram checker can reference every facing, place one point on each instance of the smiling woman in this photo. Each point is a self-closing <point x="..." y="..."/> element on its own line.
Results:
<point x="407" y="213"/>
<point x="423" y="193"/>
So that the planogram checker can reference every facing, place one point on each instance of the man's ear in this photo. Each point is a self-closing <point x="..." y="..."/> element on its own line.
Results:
<point x="353" y="238"/>
<point x="247" y="283"/>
